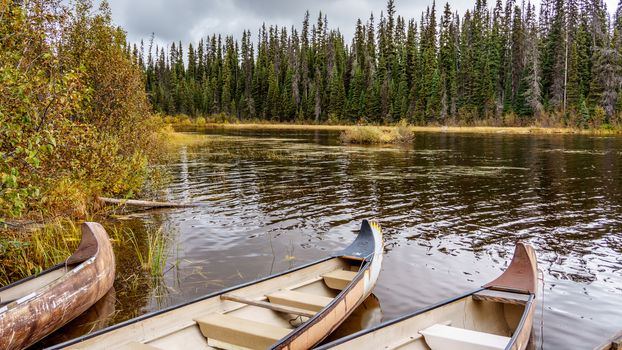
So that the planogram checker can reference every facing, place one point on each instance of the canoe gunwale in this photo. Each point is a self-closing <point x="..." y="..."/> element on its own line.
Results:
<point x="320" y="315"/>
<point x="523" y="322"/>
<point x="31" y="277"/>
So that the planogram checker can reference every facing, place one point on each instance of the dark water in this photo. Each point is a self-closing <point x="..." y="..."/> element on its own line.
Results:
<point x="451" y="207"/>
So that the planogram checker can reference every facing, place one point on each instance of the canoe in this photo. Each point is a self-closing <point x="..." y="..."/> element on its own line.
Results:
<point x="36" y="306"/>
<point x="613" y="343"/>
<point x="292" y="310"/>
<point x="497" y="316"/>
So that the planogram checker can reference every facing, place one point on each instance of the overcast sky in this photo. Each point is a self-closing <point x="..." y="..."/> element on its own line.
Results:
<point x="190" y="20"/>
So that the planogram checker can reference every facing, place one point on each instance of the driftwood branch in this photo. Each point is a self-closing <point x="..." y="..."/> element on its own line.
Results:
<point x="145" y="204"/>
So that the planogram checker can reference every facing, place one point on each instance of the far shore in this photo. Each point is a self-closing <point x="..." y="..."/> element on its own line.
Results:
<point x="417" y="129"/>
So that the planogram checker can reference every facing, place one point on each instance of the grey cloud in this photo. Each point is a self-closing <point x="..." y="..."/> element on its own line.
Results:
<point x="190" y="20"/>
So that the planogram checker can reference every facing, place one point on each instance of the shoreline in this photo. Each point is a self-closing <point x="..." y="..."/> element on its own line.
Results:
<point x="527" y="130"/>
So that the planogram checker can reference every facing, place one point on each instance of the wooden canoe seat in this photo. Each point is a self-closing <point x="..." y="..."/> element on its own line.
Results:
<point x="501" y="297"/>
<point x="300" y="300"/>
<point x="338" y="279"/>
<point x="230" y="332"/>
<point x="441" y="337"/>
<point x="137" y="346"/>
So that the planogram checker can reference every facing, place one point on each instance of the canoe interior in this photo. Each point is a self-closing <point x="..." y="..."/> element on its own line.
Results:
<point x="493" y="317"/>
<point x="179" y="329"/>
<point x="25" y="287"/>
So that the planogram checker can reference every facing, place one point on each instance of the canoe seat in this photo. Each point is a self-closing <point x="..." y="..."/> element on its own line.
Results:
<point x="501" y="297"/>
<point x="230" y="332"/>
<point x="441" y="337"/>
<point x="338" y="279"/>
<point x="136" y="346"/>
<point x="301" y="300"/>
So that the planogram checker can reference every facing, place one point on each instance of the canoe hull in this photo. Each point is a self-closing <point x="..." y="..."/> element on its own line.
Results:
<point x="200" y="324"/>
<point x="499" y="309"/>
<point x="43" y="311"/>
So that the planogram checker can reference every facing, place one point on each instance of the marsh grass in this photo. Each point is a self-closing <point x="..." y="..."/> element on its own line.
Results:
<point x="465" y="129"/>
<point x="369" y="135"/>
<point x="23" y="254"/>
<point x="152" y="256"/>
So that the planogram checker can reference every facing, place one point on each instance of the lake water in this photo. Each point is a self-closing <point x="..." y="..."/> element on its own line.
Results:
<point x="451" y="207"/>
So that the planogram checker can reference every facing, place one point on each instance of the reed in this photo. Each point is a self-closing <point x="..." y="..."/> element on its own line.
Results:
<point x="25" y="254"/>
<point x="152" y="256"/>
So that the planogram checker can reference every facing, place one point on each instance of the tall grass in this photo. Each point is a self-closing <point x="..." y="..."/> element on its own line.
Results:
<point x="29" y="253"/>
<point x="153" y="256"/>
<point x="25" y="254"/>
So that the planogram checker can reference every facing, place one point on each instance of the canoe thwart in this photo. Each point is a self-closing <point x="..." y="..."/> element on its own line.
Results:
<point x="230" y="332"/>
<point x="338" y="279"/>
<point x="288" y="309"/>
<point x="501" y="297"/>
<point x="306" y="301"/>
<point x="440" y="337"/>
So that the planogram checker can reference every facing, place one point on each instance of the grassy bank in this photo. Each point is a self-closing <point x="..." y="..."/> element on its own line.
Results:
<point x="415" y="129"/>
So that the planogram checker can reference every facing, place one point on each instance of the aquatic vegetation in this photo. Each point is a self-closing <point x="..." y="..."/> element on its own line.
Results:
<point x="377" y="135"/>
<point x="152" y="256"/>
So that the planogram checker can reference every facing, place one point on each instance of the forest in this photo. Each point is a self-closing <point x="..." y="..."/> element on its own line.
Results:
<point x="507" y="63"/>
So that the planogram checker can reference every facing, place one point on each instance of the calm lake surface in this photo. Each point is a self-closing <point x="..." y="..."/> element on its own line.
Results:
<point x="451" y="207"/>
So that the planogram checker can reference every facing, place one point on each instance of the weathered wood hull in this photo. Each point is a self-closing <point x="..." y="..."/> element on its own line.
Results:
<point x="199" y="324"/>
<point x="87" y="276"/>
<point x="500" y="309"/>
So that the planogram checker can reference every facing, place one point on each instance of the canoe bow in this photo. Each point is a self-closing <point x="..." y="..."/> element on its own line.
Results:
<point x="89" y="276"/>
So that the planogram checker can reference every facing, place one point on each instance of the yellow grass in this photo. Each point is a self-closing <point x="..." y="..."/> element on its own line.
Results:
<point x="376" y="135"/>
<point x="421" y="129"/>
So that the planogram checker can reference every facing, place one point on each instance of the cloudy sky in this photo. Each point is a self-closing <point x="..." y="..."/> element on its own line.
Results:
<point x="190" y="20"/>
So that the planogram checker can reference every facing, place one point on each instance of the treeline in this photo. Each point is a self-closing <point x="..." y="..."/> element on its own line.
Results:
<point x="75" y="121"/>
<point x="507" y="63"/>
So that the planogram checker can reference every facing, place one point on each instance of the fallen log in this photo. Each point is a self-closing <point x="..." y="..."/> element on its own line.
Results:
<point x="145" y="204"/>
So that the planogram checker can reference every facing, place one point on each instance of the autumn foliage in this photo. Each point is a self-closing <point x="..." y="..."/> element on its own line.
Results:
<point x="75" y="121"/>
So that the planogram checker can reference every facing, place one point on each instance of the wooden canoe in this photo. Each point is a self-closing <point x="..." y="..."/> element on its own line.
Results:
<point x="292" y="310"/>
<point x="497" y="316"/>
<point x="36" y="306"/>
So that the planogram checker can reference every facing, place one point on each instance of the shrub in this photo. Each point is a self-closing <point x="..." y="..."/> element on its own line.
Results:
<point x="200" y="121"/>
<point x="75" y="118"/>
